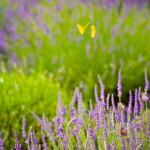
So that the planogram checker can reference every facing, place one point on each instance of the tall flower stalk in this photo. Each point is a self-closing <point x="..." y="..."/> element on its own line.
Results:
<point x="119" y="85"/>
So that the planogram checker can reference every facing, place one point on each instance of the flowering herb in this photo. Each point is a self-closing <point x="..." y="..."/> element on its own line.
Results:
<point x="80" y="128"/>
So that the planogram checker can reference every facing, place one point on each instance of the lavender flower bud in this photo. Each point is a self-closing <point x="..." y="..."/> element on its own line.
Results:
<point x="141" y="106"/>
<point x="45" y="146"/>
<point x="119" y="85"/>
<point x="114" y="146"/>
<point x="107" y="101"/>
<point x="105" y="132"/>
<point x="89" y="144"/>
<point x="76" y="94"/>
<point x="24" y="127"/>
<point x="122" y="116"/>
<point x="72" y="110"/>
<point x="145" y="96"/>
<point x="123" y="144"/>
<point x="102" y="114"/>
<point x="129" y="111"/>
<point x="149" y="121"/>
<point x="1" y="144"/>
<point x="132" y="136"/>
<point x="102" y="95"/>
<point x="80" y="105"/>
<point x="65" y="142"/>
<point x="96" y="95"/>
<point x="61" y="107"/>
<point x="111" y="120"/>
<point x="113" y="103"/>
<point x="91" y="111"/>
<point x="79" y="144"/>
<point x="91" y="132"/>
<point x="146" y="82"/>
<point x="34" y="139"/>
<point x="17" y="145"/>
<point x="73" y="121"/>
<point x="96" y="117"/>
<point x="118" y="116"/>
<point x="38" y="118"/>
<point x="136" y="108"/>
<point x="108" y="146"/>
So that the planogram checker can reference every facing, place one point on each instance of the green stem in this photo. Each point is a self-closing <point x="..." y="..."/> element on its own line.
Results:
<point x="119" y="99"/>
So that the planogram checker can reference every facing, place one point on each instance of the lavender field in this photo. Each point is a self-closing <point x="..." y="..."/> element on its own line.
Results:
<point x="74" y="75"/>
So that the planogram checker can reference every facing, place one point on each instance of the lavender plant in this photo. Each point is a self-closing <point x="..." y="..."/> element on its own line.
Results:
<point x="103" y="126"/>
<point x="31" y="37"/>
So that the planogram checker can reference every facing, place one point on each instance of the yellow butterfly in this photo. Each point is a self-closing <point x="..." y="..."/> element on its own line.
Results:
<point x="93" y="31"/>
<point x="82" y="28"/>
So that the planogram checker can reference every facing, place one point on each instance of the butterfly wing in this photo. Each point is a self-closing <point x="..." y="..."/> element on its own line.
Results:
<point x="82" y="28"/>
<point x="93" y="31"/>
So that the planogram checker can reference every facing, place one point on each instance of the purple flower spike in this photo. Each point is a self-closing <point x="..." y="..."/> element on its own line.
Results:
<point x="72" y="110"/>
<point x="33" y="140"/>
<point x="113" y="102"/>
<point x="45" y="146"/>
<point x="80" y="105"/>
<point x="108" y="146"/>
<point x="145" y="96"/>
<point x="136" y="108"/>
<point x="114" y="146"/>
<point x="149" y="121"/>
<point x="102" y="95"/>
<point x="96" y="117"/>
<point x="118" y="116"/>
<point x="1" y="144"/>
<point x="107" y="101"/>
<point x="141" y="105"/>
<point x="90" y="130"/>
<point x="24" y="127"/>
<point x="17" y="145"/>
<point x="146" y="82"/>
<point x="3" y="43"/>
<point x="79" y="143"/>
<point x="102" y="114"/>
<point x="119" y="85"/>
<point x="123" y="143"/>
<point x="76" y="94"/>
<point x="74" y="121"/>
<point x="105" y="132"/>
<point x="61" y="107"/>
<point x="91" y="110"/>
<point x="96" y="94"/>
<point x="111" y="120"/>
<point x="129" y="110"/>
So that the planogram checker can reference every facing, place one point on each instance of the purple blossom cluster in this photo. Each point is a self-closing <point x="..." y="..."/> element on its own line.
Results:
<point x="104" y="126"/>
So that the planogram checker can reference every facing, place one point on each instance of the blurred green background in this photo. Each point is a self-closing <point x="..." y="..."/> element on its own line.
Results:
<point x="43" y="53"/>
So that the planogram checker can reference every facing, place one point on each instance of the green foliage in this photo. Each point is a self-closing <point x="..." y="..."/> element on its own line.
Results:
<point x="22" y="94"/>
<point x="122" y="41"/>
